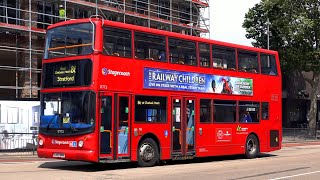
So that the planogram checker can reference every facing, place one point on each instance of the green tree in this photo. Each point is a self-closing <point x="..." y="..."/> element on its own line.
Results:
<point x="295" y="28"/>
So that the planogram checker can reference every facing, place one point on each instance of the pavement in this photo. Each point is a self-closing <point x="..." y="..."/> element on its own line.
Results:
<point x="302" y="143"/>
<point x="29" y="156"/>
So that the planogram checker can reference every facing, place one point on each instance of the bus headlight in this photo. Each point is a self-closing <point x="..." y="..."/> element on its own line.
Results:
<point x="80" y="143"/>
<point x="40" y="142"/>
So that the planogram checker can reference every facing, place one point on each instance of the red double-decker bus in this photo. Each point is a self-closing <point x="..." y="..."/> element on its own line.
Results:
<point x="114" y="92"/>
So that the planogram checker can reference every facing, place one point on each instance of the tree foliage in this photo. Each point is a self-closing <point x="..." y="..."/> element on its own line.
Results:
<point x="295" y="29"/>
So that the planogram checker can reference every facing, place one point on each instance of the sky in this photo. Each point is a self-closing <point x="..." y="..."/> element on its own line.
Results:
<point x="226" y="18"/>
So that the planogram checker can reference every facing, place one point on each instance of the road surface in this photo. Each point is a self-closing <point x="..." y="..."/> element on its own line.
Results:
<point x="296" y="162"/>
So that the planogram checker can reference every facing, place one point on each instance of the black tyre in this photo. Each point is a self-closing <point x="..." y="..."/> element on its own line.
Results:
<point x="252" y="147"/>
<point x="148" y="154"/>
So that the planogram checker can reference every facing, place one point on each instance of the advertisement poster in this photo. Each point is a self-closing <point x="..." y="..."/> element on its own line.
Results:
<point x="196" y="82"/>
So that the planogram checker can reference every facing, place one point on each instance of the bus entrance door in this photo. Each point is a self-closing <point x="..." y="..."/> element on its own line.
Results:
<point x="114" y="127"/>
<point x="106" y="126"/>
<point x="122" y="117"/>
<point x="183" y="122"/>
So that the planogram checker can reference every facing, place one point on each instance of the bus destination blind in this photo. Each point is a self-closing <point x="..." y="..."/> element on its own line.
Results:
<point x="64" y="74"/>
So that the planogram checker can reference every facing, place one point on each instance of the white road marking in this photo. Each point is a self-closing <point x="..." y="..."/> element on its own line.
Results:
<point x="303" y="174"/>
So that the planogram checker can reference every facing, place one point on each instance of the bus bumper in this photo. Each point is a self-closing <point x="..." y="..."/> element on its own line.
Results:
<point x="66" y="154"/>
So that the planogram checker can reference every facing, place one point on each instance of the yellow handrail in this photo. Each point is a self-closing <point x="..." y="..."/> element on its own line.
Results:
<point x="66" y="47"/>
<point x="110" y="132"/>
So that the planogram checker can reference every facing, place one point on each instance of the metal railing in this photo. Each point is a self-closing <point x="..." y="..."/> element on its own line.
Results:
<point x="300" y="134"/>
<point x="26" y="143"/>
<point x="18" y="143"/>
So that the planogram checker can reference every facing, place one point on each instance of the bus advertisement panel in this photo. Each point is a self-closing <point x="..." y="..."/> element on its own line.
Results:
<point x="196" y="82"/>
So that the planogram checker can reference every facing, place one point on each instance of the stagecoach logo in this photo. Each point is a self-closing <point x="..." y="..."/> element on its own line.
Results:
<point x="59" y="142"/>
<point x="106" y="71"/>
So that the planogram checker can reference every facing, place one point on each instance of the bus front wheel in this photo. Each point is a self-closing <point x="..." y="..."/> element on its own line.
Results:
<point x="148" y="154"/>
<point x="252" y="146"/>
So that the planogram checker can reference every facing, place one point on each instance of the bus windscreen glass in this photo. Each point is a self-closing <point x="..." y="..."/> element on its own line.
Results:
<point x="72" y="112"/>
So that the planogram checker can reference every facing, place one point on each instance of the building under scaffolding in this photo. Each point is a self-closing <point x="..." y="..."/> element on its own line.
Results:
<point x="23" y="24"/>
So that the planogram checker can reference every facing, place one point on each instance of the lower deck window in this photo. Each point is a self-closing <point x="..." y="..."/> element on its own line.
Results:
<point x="150" y="109"/>
<point x="224" y="111"/>
<point x="205" y="111"/>
<point x="248" y="112"/>
<point x="265" y="110"/>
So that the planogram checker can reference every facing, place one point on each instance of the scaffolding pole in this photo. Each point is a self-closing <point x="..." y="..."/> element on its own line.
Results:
<point x="30" y="47"/>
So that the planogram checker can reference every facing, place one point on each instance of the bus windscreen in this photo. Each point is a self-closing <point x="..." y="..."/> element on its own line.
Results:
<point x="72" y="112"/>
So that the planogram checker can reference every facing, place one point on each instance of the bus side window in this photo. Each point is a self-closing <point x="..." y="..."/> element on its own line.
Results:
<point x="224" y="111"/>
<point x="150" y="109"/>
<point x="205" y="110"/>
<point x="117" y="42"/>
<point x="182" y="52"/>
<point x="151" y="47"/>
<point x="224" y="58"/>
<point x="268" y="64"/>
<point x="249" y="112"/>
<point x="204" y="52"/>
<point x="248" y="62"/>
<point x="265" y="110"/>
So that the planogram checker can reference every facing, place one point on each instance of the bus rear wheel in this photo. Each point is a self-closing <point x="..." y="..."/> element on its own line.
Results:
<point x="148" y="154"/>
<point x="252" y="146"/>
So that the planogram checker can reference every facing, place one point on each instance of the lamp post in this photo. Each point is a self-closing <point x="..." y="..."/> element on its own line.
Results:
<point x="96" y="7"/>
<point x="268" y="33"/>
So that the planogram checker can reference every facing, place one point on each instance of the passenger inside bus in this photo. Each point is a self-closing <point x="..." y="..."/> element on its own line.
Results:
<point x="246" y="117"/>
<point x="272" y="72"/>
<point x="162" y="56"/>
<point x="243" y="68"/>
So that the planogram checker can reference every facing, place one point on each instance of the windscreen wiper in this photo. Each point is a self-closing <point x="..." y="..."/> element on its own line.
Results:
<point x="72" y="128"/>
<point x="51" y="120"/>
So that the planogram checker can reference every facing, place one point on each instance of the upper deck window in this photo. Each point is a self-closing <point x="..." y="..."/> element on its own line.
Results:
<point x="150" y="47"/>
<point x="223" y="58"/>
<point x="268" y="64"/>
<point x="248" y="62"/>
<point x="182" y="52"/>
<point x="204" y="52"/>
<point x="117" y="42"/>
<point x="69" y="40"/>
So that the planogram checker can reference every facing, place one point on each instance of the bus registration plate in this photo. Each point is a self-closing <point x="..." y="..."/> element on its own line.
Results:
<point x="59" y="155"/>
